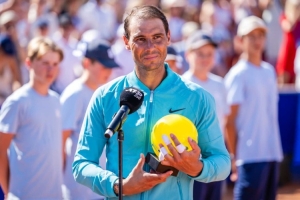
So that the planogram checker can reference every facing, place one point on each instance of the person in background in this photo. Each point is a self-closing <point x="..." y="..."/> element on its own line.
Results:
<point x="290" y="23"/>
<point x="30" y="126"/>
<point x="173" y="60"/>
<point x="252" y="126"/>
<point x="10" y="77"/>
<point x="104" y="18"/>
<point x="201" y="50"/>
<point x="121" y="55"/>
<point x="68" y="67"/>
<point x="188" y="29"/>
<point x="175" y="10"/>
<point x="97" y="65"/>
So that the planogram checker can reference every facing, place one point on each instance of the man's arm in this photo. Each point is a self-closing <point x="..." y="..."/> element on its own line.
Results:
<point x="66" y="135"/>
<point x="5" y="140"/>
<point x="86" y="169"/>
<point x="231" y="139"/>
<point x="230" y="132"/>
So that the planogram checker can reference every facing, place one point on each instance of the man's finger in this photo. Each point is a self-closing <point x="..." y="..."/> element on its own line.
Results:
<point x="175" y="140"/>
<point x="173" y="151"/>
<point x="141" y="162"/>
<point x="194" y="146"/>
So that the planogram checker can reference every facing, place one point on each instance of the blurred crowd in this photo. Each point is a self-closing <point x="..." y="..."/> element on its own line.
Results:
<point x="69" y="22"/>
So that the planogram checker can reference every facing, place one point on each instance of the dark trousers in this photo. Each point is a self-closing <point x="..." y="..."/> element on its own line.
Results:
<point x="207" y="191"/>
<point x="257" y="181"/>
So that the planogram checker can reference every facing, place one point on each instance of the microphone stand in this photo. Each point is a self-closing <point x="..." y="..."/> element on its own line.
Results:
<point x="120" y="142"/>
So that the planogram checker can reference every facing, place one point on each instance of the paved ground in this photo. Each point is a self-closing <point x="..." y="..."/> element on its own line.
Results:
<point x="288" y="192"/>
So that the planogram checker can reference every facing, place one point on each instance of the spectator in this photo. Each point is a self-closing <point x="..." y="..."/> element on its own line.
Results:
<point x="174" y="60"/>
<point x="10" y="77"/>
<point x="104" y="18"/>
<point x="97" y="68"/>
<point x="30" y="126"/>
<point x="290" y="23"/>
<point x="122" y="56"/>
<point x="252" y="127"/>
<point x="175" y="10"/>
<point x="200" y="54"/>
<point x="68" y="67"/>
<point x="187" y="29"/>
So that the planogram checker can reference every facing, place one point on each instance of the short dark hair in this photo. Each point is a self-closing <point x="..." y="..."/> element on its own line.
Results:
<point x="145" y="12"/>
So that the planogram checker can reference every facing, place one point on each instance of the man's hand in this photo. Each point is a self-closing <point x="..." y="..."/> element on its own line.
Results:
<point x="139" y="181"/>
<point x="188" y="161"/>
<point x="234" y="175"/>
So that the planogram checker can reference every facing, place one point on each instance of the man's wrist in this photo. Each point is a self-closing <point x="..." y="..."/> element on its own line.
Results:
<point x="199" y="169"/>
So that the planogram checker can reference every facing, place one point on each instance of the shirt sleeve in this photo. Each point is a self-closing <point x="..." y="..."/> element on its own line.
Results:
<point x="215" y="157"/>
<point x="71" y="111"/>
<point x="235" y="89"/>
<point x="86" y="169"/>
<point x="10" y="116"/>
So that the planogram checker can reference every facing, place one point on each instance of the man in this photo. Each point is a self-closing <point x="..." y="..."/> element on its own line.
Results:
<point x="253" y="133"/>
<point x="147" y="37"/>
<point x="174" y="60"/>
<point x="71" y="64"/>
<point x="201" y="51"/>
<point x="30" y="125"/>
<point x="97" y="65"/>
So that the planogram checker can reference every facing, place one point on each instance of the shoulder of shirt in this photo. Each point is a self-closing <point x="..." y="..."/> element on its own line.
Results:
<point x="268" y="66"/>
<point x="111" y="86"/>
<point x="215" y="78"/>
<point x="193" y="89"/>
<point x="72" y="91"/>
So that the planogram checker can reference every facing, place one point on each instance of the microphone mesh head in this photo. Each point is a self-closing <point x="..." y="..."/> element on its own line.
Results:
<point x="132" y="97"/>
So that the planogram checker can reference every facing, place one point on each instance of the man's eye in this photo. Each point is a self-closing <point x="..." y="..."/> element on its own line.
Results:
<point x="157" y="37"/>
<point x="140" y="39"/>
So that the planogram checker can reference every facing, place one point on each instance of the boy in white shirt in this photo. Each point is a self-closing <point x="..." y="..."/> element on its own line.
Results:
<point x="252" y="127"/>
<point x="98" y="66"/>
<point x="200" y="54"/>
<point x="30" y="126"/>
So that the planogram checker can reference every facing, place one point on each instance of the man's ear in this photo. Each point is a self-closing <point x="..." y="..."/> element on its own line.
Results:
<point x="126" y="42"/>
<point x="28" y="63"/>
<point x="169" y="37"/>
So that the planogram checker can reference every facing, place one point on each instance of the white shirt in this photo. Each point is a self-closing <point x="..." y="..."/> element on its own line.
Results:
<point x="70" y="66"/>
<point x="254" y="89"/>
<point x="123" y="58"/>
<point x="101" y="18"/>
<point x="75" y="100"/>
<point x="35" y="159"/>
<point x="215" y="86"/>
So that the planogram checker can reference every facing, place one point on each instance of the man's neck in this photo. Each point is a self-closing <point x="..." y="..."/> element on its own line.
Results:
<point x="153" y="78"/>
<point x="255" y="59"/>
<point x="87" y="80"/>
<point x="41" y="89"/>
<point x="201" y="75"/>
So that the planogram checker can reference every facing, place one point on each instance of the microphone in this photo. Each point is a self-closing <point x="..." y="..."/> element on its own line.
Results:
<point x="131" y="100"/>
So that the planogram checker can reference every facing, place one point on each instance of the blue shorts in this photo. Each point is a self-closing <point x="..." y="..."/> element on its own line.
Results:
<point x="257" y="181"/>
<point x="207" y="191"/>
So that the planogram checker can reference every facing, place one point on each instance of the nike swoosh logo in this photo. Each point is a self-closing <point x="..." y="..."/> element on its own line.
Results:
<point x="172" y="111"/>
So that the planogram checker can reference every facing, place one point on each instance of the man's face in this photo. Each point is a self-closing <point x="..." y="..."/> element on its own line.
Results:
<point x="148" y="42"/>
<point x="101" y="74"/>
<point x="254" y="42"/>
<point x="45" y="69"/>
<point x="203" y="58"/>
